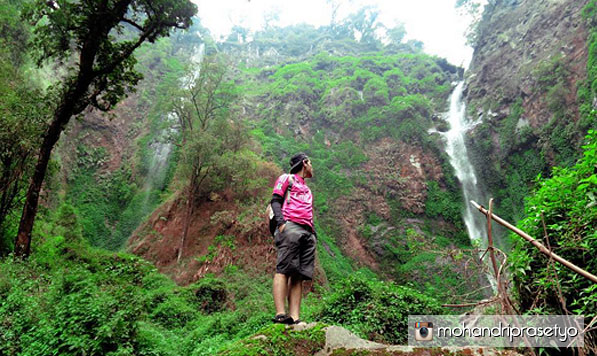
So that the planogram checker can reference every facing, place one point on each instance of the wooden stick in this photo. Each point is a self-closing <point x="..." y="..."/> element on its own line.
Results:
<point x="466" y="305"/>
<point x="490" y="243"/>
<point x="537" y="244"/>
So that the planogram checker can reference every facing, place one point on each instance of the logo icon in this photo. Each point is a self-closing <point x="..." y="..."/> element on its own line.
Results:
<point x="423" y="331"/>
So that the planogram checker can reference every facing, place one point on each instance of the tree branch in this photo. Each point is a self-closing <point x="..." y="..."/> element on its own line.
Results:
<point x="127" y="52"/>
<point x="133" y="23"/>
<point x="538" y="245"/>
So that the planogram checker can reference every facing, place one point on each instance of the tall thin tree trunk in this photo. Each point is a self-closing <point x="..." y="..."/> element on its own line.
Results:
<point x="5" y="186"/>
<point x="61" y="118"/>
<point x="8" y="200"/>
<point x="188" y="216"/>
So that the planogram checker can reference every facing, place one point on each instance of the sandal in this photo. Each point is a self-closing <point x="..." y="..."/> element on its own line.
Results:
<point x="298" y="321"/>
<point x="283" y="319"/>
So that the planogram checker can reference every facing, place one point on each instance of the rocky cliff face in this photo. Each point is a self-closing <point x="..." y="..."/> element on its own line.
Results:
<point x="108" y="162"/>
<point x="515" y="39"/>
<point x="530" y="59"/>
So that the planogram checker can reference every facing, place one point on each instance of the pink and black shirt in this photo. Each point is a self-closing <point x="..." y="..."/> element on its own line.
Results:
<point x="298" y="206"/>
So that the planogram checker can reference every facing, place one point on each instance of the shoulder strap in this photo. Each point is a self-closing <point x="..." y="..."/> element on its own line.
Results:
<point x="289" y="187"/>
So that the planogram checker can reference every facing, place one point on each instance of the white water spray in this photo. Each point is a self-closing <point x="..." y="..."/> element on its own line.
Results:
<point x="161" y="147"/>
<point x="456" y="149"/>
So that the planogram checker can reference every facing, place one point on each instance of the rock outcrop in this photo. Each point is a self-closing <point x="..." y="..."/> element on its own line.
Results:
<point x="321" y="340"/>
<point x="530" y="60"/>
<point x="517" y="37"/>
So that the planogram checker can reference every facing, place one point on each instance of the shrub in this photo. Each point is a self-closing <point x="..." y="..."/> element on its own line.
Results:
<point x="563" y="209"/>
<point x="374" y="309"/>
<point x="210" y="293"/>
<point x="445" y="203"/>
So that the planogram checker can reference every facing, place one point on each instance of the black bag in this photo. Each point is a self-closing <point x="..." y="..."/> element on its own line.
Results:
<point x="270" y="211"/>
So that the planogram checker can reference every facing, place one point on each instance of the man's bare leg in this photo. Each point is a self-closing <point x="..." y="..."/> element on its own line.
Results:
<point x="294" y="297"/>
<point x="280" y="291"/>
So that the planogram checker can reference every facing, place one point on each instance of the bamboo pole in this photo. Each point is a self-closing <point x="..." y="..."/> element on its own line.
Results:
<point x="490" y="244"/>
<point x="537" y="244"/>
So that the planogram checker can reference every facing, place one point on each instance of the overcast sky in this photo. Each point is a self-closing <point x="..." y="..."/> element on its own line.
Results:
<point x="434" y="22"/>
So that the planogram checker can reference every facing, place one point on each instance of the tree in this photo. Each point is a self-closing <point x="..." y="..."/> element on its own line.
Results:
<point x="13" y="32"/>
<point x="94" y="40"/>
<point x="238" y="35"/>
<point x="203" y="118"/>
<point x="394" y="36"/>
<point x="21" y="116"/>
<point x="365" y="24"/>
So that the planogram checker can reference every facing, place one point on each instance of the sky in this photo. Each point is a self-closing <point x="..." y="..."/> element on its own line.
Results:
<point x="434" y="22"/>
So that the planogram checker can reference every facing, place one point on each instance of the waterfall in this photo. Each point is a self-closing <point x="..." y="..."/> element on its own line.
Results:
<point x="162" y="145"/>
<point x="456" y="150"/>
<point x="187" y="81"/>
<point x="160" y="148"/>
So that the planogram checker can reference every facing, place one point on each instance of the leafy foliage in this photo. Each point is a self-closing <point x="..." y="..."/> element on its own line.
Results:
<point x="279" y="340"/>
<point x="14" y="33"/>
<point x="442" y="202"/>
<point x="527" y="150"/>
<point x="374" y="309"/>
<point x="113" y="201"/>
<point x="562" y="214"/>
<point x="21" y="118"/>
<point x="214" y="151"/>
<point x="70" y="299"/>
<point x="88" y="40"/>
<point x="365" y="98"/>
<point x="22" y="115"/>
<point x="112" y="74"/>
<point x="359" y="32"/>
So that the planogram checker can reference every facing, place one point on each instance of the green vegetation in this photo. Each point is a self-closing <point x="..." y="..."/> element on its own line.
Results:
<point x="427" y="261"/>
<point x="358" y="94"/>
<point x="214" y="147"/>
<point x="301" y="41"/>
<point x="331" y="258"/>
<point x="447" y="204"/>
<point x="98" y="64"/>
<point x="69" y="299"/>
<point x="21" y="118"/>
<point x="350" y="103"/>
<point x="561" y="132"/>
<point x="321" y="91"/>
<point x="366" y="98"/>
<point x="279" y="340"/>
<point x="588" y="90"/>
<point x="561" y="213"/>
<point x="113" y="203"/>
<point x="374" y="309"/>
<point x="524" y="150"/>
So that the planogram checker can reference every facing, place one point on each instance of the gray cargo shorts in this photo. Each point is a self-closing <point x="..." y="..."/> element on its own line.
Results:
<point x="296" y="251"/>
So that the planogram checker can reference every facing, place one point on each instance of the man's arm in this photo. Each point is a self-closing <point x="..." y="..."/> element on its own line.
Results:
<point x="277" y="201"/>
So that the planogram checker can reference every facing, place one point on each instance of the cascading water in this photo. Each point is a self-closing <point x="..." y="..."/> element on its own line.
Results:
<point x="161" y="147"/>
<point x="156" y="170"/>
<point x="456" y="150"/>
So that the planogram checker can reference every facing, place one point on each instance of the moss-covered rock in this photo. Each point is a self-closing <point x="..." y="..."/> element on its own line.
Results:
<point x="279" y="339"/>
<point x="321" y="340"/>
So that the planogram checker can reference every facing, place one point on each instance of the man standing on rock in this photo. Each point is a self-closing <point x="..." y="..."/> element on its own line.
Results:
<point x="295" y="238"/>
